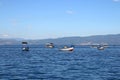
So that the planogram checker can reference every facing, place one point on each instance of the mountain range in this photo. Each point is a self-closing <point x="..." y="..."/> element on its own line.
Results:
<point x="96" y="39"/>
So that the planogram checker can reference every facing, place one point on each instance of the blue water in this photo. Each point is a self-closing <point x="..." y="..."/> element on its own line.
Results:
<point x="40" y="63"/>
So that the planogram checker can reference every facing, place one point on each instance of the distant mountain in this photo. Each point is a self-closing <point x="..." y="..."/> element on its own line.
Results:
<point x="10" y="41"/>
<point x="97" y="39"/>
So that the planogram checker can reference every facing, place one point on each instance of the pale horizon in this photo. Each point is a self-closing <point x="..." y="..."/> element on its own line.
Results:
<point x="5" y="37"/>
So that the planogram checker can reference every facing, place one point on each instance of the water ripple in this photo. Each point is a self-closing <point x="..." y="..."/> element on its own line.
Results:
<point x="51" y="64"/>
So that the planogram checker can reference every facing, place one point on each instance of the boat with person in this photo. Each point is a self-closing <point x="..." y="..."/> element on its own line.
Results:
<point x="49" y="45"/>
<point x="25" y="46"/>
<point x="100" y="46"/>
<point x="67" y="48"/>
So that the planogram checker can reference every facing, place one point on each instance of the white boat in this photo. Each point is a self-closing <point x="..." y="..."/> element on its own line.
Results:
<point x="101" y="48"/>
<point x="67" y="49"/>
<point x="25" y="49"/>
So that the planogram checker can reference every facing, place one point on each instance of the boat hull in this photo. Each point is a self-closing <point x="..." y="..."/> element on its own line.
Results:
<point x="67" y="49"/>
<point x="25" y="49"/>
<point x="100" y="48"/>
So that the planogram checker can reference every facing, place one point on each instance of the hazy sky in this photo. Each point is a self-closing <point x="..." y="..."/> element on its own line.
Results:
<point x="39" y="19"/>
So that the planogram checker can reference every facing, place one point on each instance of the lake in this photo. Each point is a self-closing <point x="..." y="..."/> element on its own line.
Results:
<point x="40" y="63"/>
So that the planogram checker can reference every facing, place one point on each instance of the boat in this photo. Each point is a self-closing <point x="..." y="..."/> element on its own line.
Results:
<point x="67" y="48"/>
<point x="25" y="49"/>
<point x="100" y="47"/>
<point x="49" y="45"/>
<point x="25" y="46"/>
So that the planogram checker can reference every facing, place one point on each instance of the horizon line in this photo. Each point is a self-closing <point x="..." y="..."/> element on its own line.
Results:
<point x="56" y="37"/>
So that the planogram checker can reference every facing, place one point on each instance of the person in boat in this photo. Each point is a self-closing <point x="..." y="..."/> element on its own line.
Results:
<point x="25" y="49"/>
<point x="65" y="47"/>
<point x="50" y="45"/>
<point x="100" y="47"/>
<point x="25" y="46"/>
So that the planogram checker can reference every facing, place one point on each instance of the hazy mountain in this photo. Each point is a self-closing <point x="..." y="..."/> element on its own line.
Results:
<point x="98" y="39"/>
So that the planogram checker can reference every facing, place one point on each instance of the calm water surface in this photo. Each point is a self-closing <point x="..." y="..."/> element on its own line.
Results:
<point x="40" y="63"/>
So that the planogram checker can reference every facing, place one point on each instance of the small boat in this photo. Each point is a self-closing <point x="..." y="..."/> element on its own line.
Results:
<point x="24" y="46"/>
<point x="49" y="45"/>
<point x="67" y="48"/>
<point x="25" y="49"/>
<point x="100" y="47"/>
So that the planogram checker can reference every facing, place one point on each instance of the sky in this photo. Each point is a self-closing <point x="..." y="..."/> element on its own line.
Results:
<point x="42" y="19"/>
